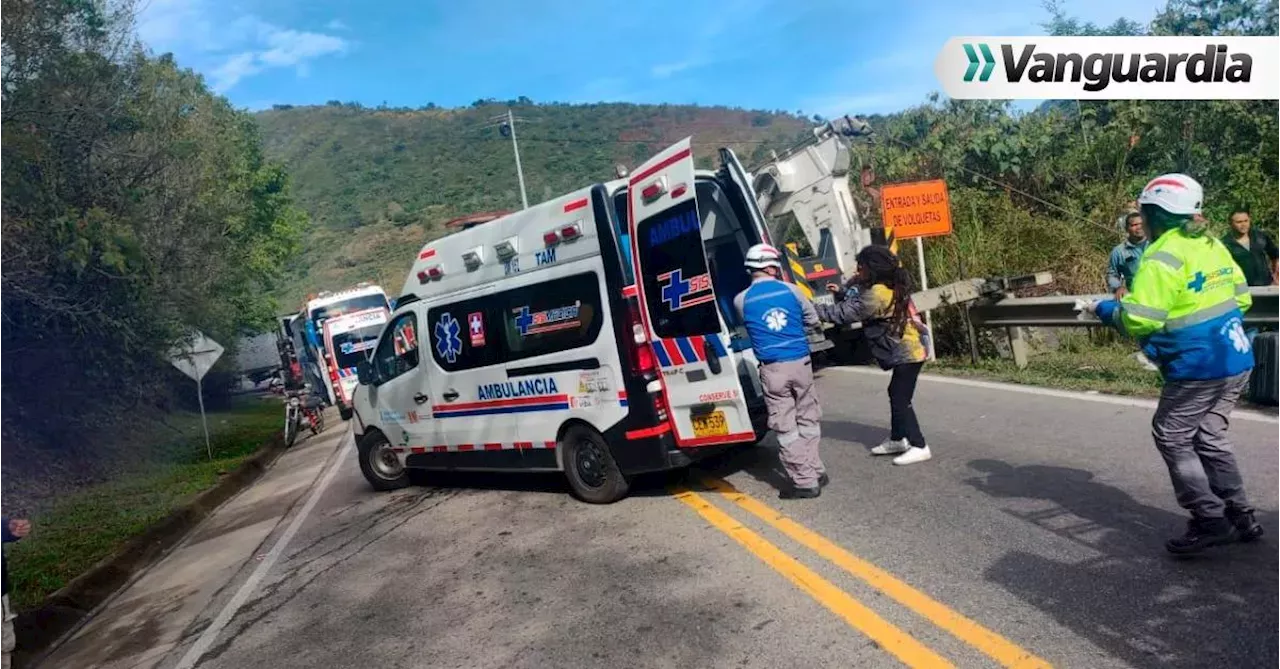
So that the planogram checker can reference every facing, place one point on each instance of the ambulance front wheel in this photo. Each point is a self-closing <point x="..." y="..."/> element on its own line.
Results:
<point x="379" y="464"/>
<point x="592" y="472"/>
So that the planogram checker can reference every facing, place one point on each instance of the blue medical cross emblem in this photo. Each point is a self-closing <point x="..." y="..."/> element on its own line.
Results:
<point x="675" y="291"/>
<point x="448" y="343"/>
<point x="1197" y="284"/>
<point x="523" y="321"/>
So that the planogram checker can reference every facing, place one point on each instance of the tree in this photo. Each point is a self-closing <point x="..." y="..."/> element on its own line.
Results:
<point x="136" y="205"/>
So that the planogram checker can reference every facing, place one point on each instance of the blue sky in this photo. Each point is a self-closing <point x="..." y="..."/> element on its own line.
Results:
<point x="821" y="56"/>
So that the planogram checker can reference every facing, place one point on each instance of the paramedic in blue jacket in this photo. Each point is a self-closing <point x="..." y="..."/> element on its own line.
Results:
<point x="9" y="531"/>
<point x="1187" y="308"/>
<point x="777" y="316"/>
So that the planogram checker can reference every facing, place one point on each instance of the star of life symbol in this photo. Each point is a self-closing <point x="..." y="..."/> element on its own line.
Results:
<point x="775" y="319"/>
<point x="448" y="344"/>
<point x="1235" y="331"/>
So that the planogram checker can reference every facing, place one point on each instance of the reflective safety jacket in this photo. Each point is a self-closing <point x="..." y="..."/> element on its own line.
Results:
<point x="1187" y="308"/>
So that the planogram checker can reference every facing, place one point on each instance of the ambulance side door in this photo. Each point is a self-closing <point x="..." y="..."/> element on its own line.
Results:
<point x="400" y="396"/>
<point x="689" y="338"/>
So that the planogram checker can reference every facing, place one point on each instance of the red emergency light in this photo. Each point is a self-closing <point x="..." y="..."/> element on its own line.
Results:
<point x="572" y="231"/>
<point x="653" y="190"/>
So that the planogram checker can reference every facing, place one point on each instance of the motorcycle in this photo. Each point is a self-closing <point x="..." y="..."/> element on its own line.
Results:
<point x="302" y="404"/>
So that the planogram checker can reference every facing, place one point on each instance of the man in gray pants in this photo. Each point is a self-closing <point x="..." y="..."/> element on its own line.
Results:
<point x="1187" y="308"/>
<point x="776" y="315"/>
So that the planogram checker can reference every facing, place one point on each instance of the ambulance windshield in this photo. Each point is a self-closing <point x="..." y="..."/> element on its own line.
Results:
<point x="352" y="348"/>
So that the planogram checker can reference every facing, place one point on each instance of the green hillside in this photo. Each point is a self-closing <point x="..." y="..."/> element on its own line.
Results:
<point x="378" y="183"/>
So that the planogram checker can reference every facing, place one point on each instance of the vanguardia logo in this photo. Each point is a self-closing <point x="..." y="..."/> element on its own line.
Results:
<point x="1156" y="67"/>
<point x="1098" y="70"/>
<point x="987" y="58"/>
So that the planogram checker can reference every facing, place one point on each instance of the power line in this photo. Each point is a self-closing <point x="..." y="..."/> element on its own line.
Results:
<point x="1021" y="192"/>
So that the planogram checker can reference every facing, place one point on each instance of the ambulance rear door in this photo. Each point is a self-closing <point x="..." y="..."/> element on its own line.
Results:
<point x="690" y="340"/>
<point x="736" y="174"/>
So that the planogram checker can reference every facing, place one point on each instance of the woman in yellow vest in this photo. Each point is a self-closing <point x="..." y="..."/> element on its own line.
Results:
<point x="898" y="341"/>
<point x="1187" y="308"/>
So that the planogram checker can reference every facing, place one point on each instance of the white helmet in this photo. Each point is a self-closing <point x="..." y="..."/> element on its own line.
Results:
<point x="1177" y="194"/>
<point x="761" y="256"/>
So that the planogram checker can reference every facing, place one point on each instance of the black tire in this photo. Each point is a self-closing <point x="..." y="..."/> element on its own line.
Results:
<point x="379" y="473"/>
<point x="345" y="413"/>
<point x="593" y="474"/>
<point x="291" y="426"/>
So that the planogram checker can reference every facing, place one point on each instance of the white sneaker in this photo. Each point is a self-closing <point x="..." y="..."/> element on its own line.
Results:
<point x="891" y="447"/>
<point x="913" y="455"/>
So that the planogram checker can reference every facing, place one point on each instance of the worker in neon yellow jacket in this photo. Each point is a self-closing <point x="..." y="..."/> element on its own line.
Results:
<point x="1187" y="308"/>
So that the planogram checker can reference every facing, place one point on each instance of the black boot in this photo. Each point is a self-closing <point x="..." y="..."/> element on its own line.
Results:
<point x="1247" y="527"/>
<point x="823" y="480"/>
<point x="800" y="493"/>
<point x="1201" y="534"/>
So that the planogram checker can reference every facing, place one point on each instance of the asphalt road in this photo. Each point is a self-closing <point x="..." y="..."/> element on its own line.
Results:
<point x="1033" y="538"/>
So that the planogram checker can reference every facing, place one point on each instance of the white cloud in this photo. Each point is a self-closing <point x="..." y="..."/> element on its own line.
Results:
<point x="337" y="24"/>
<point x="237" y="67"/>
<point x="229" y="49"/>
<point x="667" y="69"/>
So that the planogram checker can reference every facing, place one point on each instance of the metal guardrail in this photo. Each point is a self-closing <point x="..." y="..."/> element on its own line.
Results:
<point x="1058" y="310"/>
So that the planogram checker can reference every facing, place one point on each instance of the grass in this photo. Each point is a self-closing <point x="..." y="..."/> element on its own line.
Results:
<point x="90" y="525"/>
<point x="1108" y="369"/>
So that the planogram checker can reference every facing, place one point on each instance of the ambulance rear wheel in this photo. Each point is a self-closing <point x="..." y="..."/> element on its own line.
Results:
<point x="592" y="472"/>
<point x="345" y="412"/>
<point x="379" y="464"/>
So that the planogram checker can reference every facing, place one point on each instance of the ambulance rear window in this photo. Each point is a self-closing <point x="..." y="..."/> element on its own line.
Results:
<point x="677" y="283"/>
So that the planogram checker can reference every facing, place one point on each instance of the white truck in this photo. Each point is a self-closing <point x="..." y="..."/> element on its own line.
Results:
<point x="808" y="186"/>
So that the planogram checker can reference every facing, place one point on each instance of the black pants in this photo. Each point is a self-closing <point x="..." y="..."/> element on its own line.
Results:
<point x="902" y="416"/>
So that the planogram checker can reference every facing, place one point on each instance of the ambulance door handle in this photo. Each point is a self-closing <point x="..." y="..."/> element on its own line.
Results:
<point x="713" y="360"/>
<point x="420" y="398"/>
<point x="450" y="395"/>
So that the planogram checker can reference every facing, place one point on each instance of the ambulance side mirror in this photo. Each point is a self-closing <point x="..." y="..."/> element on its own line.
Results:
<point x="365" y="373"/>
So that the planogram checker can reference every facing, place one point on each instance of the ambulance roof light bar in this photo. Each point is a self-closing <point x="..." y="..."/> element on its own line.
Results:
<point x="432" y="273"/>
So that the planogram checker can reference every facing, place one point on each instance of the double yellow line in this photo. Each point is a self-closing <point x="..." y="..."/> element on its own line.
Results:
<point x="897" y="642"/>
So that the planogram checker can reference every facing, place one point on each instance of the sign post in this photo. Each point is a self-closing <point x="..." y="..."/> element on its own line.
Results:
<point x="194" y="358"/>
<point x="917" y="210"/>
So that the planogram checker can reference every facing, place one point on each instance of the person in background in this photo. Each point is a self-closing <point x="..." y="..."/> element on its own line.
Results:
<point x="1125" y="256"/>
<point x="12" y="530"/>
<point x="1187" y="311"/>
<point x="776" y="315"/>
<point x="1252" y="249"/>
<point x="897" y="339"/>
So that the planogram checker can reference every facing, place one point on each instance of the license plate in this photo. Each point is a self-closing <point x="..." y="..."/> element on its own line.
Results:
<point x="710" y="425"/>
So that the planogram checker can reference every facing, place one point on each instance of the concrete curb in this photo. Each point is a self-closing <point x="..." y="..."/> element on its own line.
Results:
<point x="41" y="629"/>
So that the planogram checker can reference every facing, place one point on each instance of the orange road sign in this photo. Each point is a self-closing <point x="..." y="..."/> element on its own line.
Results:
<point x="917" y="209"/>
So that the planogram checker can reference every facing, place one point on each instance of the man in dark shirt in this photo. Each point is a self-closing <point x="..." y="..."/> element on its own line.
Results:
<point x="1253" y="250"/>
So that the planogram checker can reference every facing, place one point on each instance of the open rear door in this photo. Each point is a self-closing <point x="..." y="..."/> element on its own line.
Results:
<point x="737" y="174"/>
<point x="678" y="303"/>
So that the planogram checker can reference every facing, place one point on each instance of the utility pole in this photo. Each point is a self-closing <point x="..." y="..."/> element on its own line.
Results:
<point x="506" y="124"/>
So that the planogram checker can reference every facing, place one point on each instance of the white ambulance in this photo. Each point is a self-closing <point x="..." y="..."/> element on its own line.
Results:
<point x="348" y="340"/>
<point x="314" y="355"/>
<point x="526" y="344"/>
